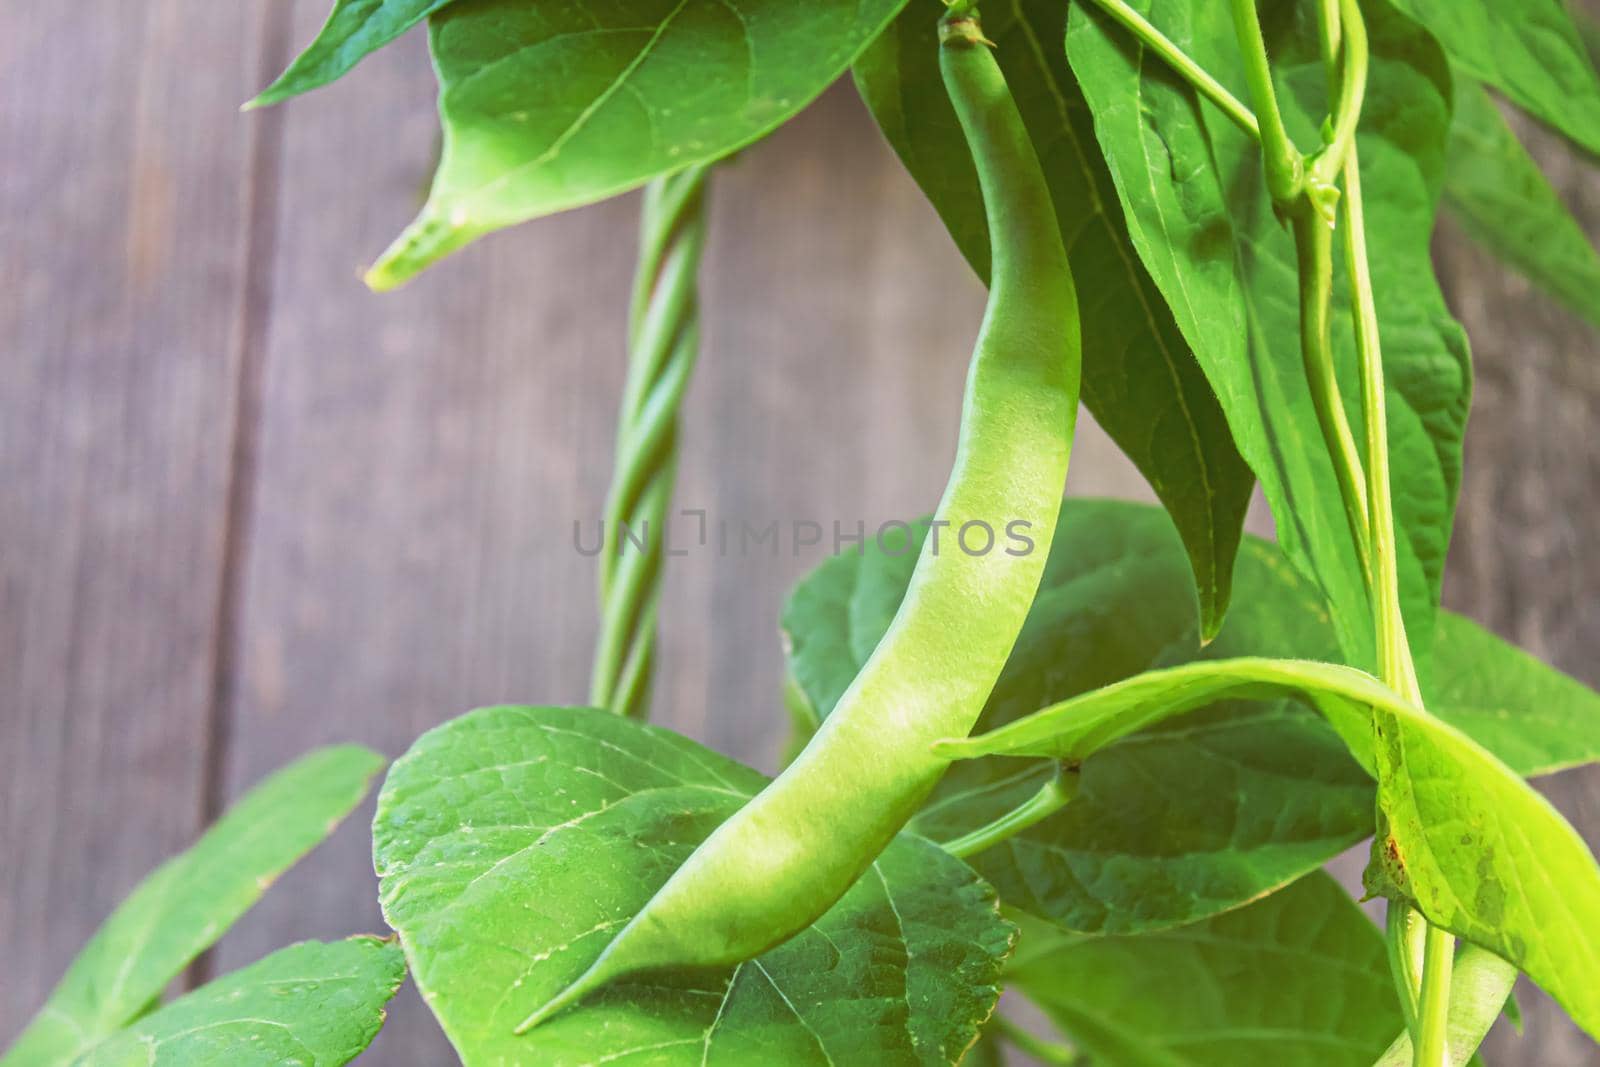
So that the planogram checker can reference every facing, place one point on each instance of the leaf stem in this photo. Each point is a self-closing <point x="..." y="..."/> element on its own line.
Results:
<point x="1433" y="1012"/>
<point x="1426" y="1001"/>
<point x="1183" y="64"/>
<point x="1051" y="798"/>
<point x="1314" y="248"/>
<point x="663" y="340"/>
<point x="1284" y="164"/>
<point x="1395" y="664"/>
<point x="1051" y="1052"/>
<point x="1346" y="35"/>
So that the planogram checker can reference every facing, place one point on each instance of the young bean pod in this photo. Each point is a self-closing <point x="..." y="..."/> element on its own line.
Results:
<point x="793" y="850"/>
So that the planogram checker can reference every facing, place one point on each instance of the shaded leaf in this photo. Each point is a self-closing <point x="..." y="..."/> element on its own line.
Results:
<point x="1530" y="715"/>
<point x="1300" y="978"/>
<point x="1481" y="853"/>
<point x="1193" y="192"/>
<point x="1505" y="203"/>
<point x="355" y="28"/>
<point x="1528" y="49"/>
<point x="1140" y="378"/>
<point x="314" y="1004"/>
<point x="551" y="106"/>
<point x="1170" y="826"/>
<point x="1195" y="817"/>
<point x="190" y="901"/>
<point x="597" y="811"/>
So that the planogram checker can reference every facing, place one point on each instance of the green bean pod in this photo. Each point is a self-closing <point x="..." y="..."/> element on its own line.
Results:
<point x="794" y="849"/>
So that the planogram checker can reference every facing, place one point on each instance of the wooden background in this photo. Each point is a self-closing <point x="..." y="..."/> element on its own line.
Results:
<point x="247" y="507"/>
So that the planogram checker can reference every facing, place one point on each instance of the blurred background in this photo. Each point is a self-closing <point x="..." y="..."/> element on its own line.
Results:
<point x="247" y="507"/>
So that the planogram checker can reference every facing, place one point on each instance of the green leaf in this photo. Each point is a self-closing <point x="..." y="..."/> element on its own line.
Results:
<point x="1480" y="988"/>
<point x="1180" y="822"/>
<point x="551" y="106"/>
<point x="595" y="812"/>
<point x="355" y="29"/>
<point x="190" y="901"/>
<point x="1193" y="193"/>
<point x="1480" y="852"/>
<point x="1300" y="978"/>
<point x="1533" y="717"/>
<point x="1168" y="827"/>
<point x="1504" y="202"/>
<point x="1140" y="378"/>
<point x="315" y="1004"/>
<point x="1528" y="49"/>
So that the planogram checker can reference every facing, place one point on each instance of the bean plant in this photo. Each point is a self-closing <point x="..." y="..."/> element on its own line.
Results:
<point x="1091" y="752"/>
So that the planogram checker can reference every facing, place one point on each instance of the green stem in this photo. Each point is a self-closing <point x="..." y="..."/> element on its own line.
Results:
<point x="1395" y="664"/>
<point x="1284" y="165"/>
<point x="1433" y="1010"/>
<point x="1180" y="61"/>
<point x="1051" y="798"/>
<point x="663" y="339"/>
<point x="1348" y="33"/>
<point x="1406" y="932"/>
<point x="1427" y="1001"/>
<point x="1314" y="248"/>
<point x="1051" y="1052"/>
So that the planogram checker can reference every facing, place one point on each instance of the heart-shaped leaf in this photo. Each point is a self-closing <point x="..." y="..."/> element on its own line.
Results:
<point x="513" y="841"/>
<point x="551" y="106"/>
<point x="190" y="901"/>
<point x="314" y="1004"/>
<point x="1300" y="979"/>
<point x="1190" y="818"/>
<point x="1167" y="827"/>
<point x="1480" y="852"/>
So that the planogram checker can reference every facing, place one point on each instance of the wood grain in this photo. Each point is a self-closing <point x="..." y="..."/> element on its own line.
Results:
<point x="1523" y="562"/>
<point x="247" y="507"/>
<point x="124" y="204"/>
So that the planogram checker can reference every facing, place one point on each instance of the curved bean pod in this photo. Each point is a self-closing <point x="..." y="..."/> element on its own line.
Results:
<point x="787" y="856"/>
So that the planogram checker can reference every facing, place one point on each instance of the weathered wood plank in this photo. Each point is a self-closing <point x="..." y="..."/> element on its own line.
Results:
<point x="123" y="217"/>
<point x="1523" y="561"/>
<point x="423" y="457"/>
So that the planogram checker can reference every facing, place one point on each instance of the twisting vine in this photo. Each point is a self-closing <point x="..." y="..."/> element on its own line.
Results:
<point x="663" y="340"/>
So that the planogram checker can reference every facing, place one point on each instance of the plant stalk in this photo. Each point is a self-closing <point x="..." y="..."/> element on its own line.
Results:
<point x="1284" y="165"/>
<point x="1030" y="1044"/>
<point x="1183" y="64"/>
<point x="663" y="340"/>
<point x="1426" y="1001"/>
<point x="1313" y="241"/>
<point x="1051" y="798"/>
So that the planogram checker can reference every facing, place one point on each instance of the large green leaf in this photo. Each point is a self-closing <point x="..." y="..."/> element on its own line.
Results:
<point x="1480" y="851"/>
<point x="354" y="29"/>
<point x="1170" y="826"/>
<point x="512" y="841"/>
<point x="1533" y="717"/>
<point x="1185" y="820"/>
<point x="315" y="1004"/>
<point x="1501" y="198"/>
<point x="1140" y="378"/>
<point x="1528" y="49"/>
<point x="1300" y="978"/>
<point x="1194" y="197"/>
<point x="182" y="908"/>
<point x="550" y="106"/>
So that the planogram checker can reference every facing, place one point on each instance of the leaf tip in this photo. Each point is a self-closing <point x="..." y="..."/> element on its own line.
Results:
<point x="432" y="236"/>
